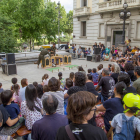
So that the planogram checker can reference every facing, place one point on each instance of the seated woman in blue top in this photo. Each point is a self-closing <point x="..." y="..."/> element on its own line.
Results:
<point x="113" y="106"/>
<point x="12" y="108"/>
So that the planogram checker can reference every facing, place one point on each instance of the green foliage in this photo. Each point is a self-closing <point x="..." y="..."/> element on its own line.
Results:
<point x="8" y="41"/>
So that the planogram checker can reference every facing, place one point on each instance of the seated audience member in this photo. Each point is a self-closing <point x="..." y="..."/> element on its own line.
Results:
<point x="89" y="51"/>
<point x="39" y="90"/>
<point x="52" y="120"/>
<point x="24" y="83"/>
<point x="126" y="123"/>
<point x="133" y="50"/>
<point x="45" y="89"/>
<point x="95" y="76"/>
<point x="137" y="52"/>
<point x="3" y="137"/>
<point x="69" y="84"/>
<point x="80" y="69"/>
<point x="35" y="84"/>
<point x="126" y="57"/>
<point x="12" y="108"/>
<point x="113" y="106"/>
<point x="117" y="57"/>
<point x="90" y="85"/>
<point x="107" y="51"/>
<point x="14" y="81"/>
<point x="80" y="110"/>
<point x="45" y="80"/>
<point x="16" y="93"/>
<point x="109" y="67"/>
<point x="103" y="56"/>
<point x="129" y="68"/>
<point x="31" y="108"/>
<point x="54" y="89"/>
<point x="71" y="76"/>
<point x="1" y="89"/>
<point x="62" y="81"/>
<point x="99" y="69"/>
<point x="80" y="84"/>
<point x="119" y="52"/>
<point x="115" y="72"/>
<point x="120" y="65"/>
<point x="89" y="71"/>
<point x="106" y="57"/>
<point x="123" y="77"/>
<point x="112" y="59"/>
<point x="136" y="84"/>
<point x="107" y="83"/>
<point x="128" y="50"/>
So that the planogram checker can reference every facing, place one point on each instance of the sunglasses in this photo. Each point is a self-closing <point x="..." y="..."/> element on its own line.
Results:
<point x="94" y="109"/>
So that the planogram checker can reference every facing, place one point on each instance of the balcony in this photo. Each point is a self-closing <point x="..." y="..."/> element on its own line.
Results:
<point x="82" y="11"/>
<point x="116" y="5"/>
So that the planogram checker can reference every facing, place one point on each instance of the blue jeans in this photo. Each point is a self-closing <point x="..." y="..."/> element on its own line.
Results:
<point x="102" y="97"/>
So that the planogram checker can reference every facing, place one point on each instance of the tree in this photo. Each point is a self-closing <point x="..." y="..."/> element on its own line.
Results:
<point x="30" y="17"/>
<point x="8" y="41"/>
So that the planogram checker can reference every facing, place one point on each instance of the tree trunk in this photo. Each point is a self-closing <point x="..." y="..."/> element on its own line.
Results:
<point x="30" y="44"/>
<point x="33" y="44"/>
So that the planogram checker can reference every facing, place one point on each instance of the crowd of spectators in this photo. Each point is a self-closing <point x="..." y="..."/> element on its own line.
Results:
<point x="86" y="105"/>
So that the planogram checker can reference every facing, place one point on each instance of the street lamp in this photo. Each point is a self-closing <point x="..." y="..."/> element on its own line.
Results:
<point x="59" y="16"/>
<point x="124" y="15"/>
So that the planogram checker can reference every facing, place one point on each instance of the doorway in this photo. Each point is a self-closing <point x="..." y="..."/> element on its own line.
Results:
<point x="117" y="38"/>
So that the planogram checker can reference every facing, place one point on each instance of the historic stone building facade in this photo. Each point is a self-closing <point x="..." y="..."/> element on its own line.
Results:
<point x="99" y="21"/>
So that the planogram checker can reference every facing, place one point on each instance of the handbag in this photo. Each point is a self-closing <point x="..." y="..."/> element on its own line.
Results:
<point x="69" y="132"/>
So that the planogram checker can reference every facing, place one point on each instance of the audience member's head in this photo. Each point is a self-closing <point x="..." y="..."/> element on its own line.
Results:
<point x="16" y="88"/>
<point x="89" y="70"/>
<point x="24" y="82"/>
<point x="100" y="67"/>
<point x="123" y="77"/>
<point x="35" y="84"/>
<point x="50" y="104"/>
<point x="105" y="72"/>
<point x="53" y="84"/>
<point x="1" y="119"/>
<point x="0" y="85"/>
<point x="89" y="77"/>
<point x="71" y="75"/>
<point x="6" y="97"/>
<point x="31" y="96"/>
<point x="137" y="71"/>
<point x="115" y="68"/>
<point x="80" y="106"/>
<point x="14" y="80"/>
<point x="128" y="66"/>
<point x="80" y="79"/>
<point x="60" y="75"/>
<point x="69" y="83"/>
<point x="120" y="88"/>
<point x="39" y="90"/>
<point x="46" y="76"/>
<point x="80" y="69"/>
<point x="94" y="70"/>
<point x="45" y="88"/>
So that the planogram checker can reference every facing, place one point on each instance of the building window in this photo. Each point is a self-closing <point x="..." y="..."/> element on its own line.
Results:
<point x="138" y="30"/>
<point x="83" y="28"/>
<point x="83" y="3"/>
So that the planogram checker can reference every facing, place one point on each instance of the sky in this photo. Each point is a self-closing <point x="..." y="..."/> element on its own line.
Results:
<point x="68" y="4"/>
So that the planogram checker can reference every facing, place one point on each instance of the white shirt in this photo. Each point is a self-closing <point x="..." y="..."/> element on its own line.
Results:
<point x="45" y="81"/>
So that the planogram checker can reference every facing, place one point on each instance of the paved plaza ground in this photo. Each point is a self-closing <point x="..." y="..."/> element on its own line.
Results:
<point x="32" y="73"/>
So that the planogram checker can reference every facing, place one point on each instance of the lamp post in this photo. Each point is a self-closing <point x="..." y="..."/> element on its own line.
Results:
<point x="124" y="15"/>
<point x="58" y="7"/>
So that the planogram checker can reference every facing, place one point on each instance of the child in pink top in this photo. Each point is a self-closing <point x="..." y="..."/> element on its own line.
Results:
<point x="16" y="93"/>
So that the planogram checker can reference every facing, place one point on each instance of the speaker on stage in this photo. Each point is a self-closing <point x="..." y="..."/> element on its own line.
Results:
<point x="10" y="58"/>
<point x="9" y="69"/>
<point x="97" y="50"/>
<point x="89" y="57"/>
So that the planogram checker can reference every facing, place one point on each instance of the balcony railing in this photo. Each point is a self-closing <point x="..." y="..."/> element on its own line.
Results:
<point x="117" y="5"/>
<point x="81" y="11"/>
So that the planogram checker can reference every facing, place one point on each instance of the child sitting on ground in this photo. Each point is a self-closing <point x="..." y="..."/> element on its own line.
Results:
<point x="1" y="89"/>
<point x="95" y="76"/>
<point x="14" y="81"/>
<point x="69" y="84"/>
<point x="12" y="108"/>
<point x="45" y="80"/>
<point x="103" y="56"/>
<point x="61" y="80"/>
<point x="16" y="93"/>
<point x="126" y="123"/>
<point x="106" y="57"/>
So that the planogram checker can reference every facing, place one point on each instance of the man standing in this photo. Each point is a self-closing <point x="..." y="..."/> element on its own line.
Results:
<point x="53" y="49"/>
<point x="41" y="56"/>
<point x="136" y="84"/>
<point x="47" y="127"/>
<point x="79" y="52"/>
<point x="107" y="84"/>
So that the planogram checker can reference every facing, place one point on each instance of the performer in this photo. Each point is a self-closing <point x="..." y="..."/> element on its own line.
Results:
<point x="53" y="50"/>
<point x="41" y="56"/>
